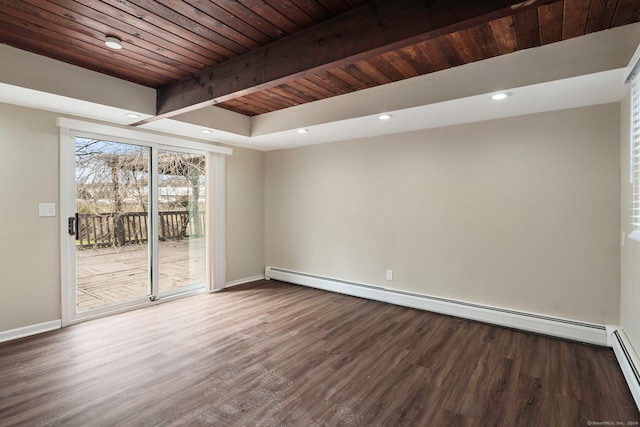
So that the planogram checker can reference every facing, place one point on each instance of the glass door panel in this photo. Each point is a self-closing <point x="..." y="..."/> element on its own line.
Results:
<point x="112" y="230"/>
<point x="181" y="221"/>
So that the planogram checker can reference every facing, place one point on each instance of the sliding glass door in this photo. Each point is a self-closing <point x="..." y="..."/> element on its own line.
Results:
<point x="181" y="221"/>
<point x="112" y="191"/>
<point x="142" y="218"/>
<point x="139" y="223"/>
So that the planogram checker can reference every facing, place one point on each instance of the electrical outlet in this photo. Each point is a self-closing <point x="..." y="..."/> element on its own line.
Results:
<point x="389" y="274"/>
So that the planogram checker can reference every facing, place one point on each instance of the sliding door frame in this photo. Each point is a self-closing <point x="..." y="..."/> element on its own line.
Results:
<point x="215" y="252"/>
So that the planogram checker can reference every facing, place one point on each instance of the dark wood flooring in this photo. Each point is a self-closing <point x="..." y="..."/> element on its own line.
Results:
<point x="275" y="354"/>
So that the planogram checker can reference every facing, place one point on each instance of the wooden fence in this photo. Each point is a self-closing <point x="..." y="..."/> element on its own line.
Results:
<point x="110" y="229"/>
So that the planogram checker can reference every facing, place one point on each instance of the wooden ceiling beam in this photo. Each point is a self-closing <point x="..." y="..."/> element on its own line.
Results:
<point x="376" y="27"/>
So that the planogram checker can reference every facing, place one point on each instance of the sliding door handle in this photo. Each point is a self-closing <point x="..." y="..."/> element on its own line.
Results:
<point x="71" y="226"/>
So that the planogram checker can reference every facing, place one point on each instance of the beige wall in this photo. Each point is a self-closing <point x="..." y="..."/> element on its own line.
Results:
<point x="520" y="213"/>
<point x="630" y="252"/>
<point x="245" y="214"/>
<point x="29" y="245"/>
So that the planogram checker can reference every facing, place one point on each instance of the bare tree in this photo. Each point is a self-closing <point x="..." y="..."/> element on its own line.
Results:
<point x="112" y="181"/>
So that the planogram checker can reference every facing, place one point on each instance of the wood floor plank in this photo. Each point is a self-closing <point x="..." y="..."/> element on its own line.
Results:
<point x="276" y="354"/>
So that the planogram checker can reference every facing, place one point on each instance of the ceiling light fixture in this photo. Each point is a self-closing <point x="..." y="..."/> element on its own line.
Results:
<point x="500" y="96"/>
<point x="132" y="116"/>
<point x="384" y="116"/>
<point x="303" y="130"/>
<point x="113" y="42"/>
<point x="205" y="131"/>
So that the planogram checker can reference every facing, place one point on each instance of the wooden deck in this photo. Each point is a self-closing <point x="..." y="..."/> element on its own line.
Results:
<point x="118" y="274"/>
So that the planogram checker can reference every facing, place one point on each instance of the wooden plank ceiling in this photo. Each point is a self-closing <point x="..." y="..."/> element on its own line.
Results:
<point x="166" y="41"/>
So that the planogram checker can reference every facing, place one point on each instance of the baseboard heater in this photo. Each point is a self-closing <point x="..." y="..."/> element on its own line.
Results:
<point x="557" y="327"/>
<point x="628" y="361"/>
<point x="610" y="336"/>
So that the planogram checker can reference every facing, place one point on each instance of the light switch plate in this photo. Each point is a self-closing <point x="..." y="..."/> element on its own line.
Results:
<point x="47" y="209"/>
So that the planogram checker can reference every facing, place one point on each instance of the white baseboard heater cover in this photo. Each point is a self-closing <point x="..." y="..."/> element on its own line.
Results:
<point x="628" y="361"/>
<point x="531" y="322"/>
<point x="611" y="336"/>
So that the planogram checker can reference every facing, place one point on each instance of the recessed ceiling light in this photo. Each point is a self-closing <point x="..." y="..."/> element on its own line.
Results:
<point x="384" y="116"/>
<point x="303" y="130"/>
<point x="113" y="43"/>
<point x="132" y="116"/>
<point x="205" y="131"/>
<point x="500" y="96"/>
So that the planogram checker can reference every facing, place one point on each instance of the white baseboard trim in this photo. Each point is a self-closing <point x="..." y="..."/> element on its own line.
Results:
<point x="628" y="361"/>
<point x="25" y="331"/>
<point x="556" y="327"/>
<point x="245" y="280"/>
